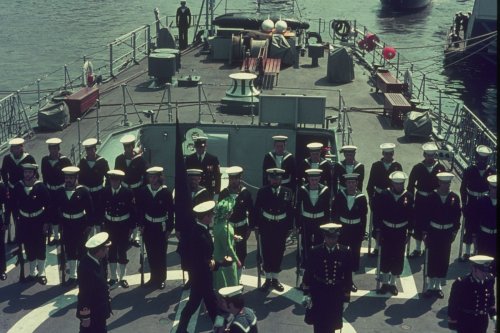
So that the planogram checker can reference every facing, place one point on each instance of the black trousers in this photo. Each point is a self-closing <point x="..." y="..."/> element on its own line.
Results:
<point x="421" y="204"/>
<point x="311" y="236"/>
<point x="241" y="246"/>
<point x="487" y="243"/>
<point x="51" y="213"/>
<point x="74" y="237"/>
<point x="3" y="260"/>
<point x="468" y="323"/>
<point x="470" y="222"/>
<point x="156" y="248"/>
<point x="183" y="36"/>
<point x="97" y="325"/>
<point x="392" y="250"/>
<point x="439" y="249"/>
<point x="98" y="216"/>
<point x="32" y="236"/>
<point x="10" y="211"/>
<point x="352" y="235"/>
<point x="118" y="234"/>
<point x="273" y="239"/>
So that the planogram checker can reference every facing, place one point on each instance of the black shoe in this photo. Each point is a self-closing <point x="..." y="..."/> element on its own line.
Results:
<point x="135" y="243"/>
<point x="161" y="286"/>
<point x="3" y="276"/>
<point x="30" y="279"/>
<point x="42" y="280"/>
<point x="384" y="289"/>
<point x="394" y="290"/>
<point x="374" y="253"/>
<point x="124" y="284"/>
<point x="464" y="258"/>
<point x="71" y="282"/>
<point x="112" y="282"/>
<point x="415" y="254"/>
<point x="354" y="288"/>
<point x="277" y="285"/>
<point x="266" y="286"/>
<point x="187" y="285"/>
<point x="428" y="293"/>
<point x="439" y="293"/>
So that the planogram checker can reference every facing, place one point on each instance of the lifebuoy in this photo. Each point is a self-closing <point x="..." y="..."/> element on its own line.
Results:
<point x="371" y="41"/>
<point x="341" y="28"/>
<point x="88" y="73"/>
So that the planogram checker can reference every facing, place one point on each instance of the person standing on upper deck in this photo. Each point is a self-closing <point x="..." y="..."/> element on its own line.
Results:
<point x="183" y="22"/>
<point x="282" y="159"/>
<point x="348" y="165"/>
<point x="473" y="187"/>
<point x="378" y="181"/>
<point x="423" y="178"/>
<point x="134" y="165"/>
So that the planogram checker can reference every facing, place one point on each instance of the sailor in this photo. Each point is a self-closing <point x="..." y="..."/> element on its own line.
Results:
<point x="347" y="165"/>
<point x="423" y="179"/>
<point x="395" y="205"/>
<point x="94" y="306"/>
<point x="379" y="180"/>
<point x="199" y="193"/>
<point x="119" y="214"/>
<point x="242" y="216"/>
<point x="241" y="319"/>
<point x="134" y="165"/>
<point x="3" y="228"/>
<point x="486" y="213"/>
<point x="315" y="161"/>
<point x="349" y="208"/>
<point x="458" y="22"/>
<point x="75" y="207"/>
<point x="472" y="298"/>
<point x="208" y="163"/>
<point x="202" y="265"/>
<point x="155" y="206"/>
<point x="327" y="281"/>
<point x="93" y="174"/>
<point x="274" y="217"/>
<point x="53" y="178"/>
<point x="32" y="202"/>
<point x="440" y="230"/>
<point x="474" y="186"/>
<point x="282" y="159"/>
<point x="312" y="210"/>
<point x="465" y="23"/>
<point x="12" y="172"/>
<point x="183" y="22"/>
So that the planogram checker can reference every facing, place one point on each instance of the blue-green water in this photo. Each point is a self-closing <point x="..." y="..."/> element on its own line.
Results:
<point x="39" y="37"/>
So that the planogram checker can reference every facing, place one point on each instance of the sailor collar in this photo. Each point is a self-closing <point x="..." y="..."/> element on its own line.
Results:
<point x="203" y="225"/>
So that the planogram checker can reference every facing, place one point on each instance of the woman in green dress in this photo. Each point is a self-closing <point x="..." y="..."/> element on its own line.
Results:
<point x="224" y="239"/>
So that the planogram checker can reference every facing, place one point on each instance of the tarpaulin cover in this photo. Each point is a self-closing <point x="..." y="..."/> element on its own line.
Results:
<point x="418" y="124"/>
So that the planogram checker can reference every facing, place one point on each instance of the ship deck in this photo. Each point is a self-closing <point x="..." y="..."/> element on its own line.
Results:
<point x="36" y="308"/>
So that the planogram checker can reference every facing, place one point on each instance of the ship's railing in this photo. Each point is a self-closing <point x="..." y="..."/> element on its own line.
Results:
<point x="14" y="121"/>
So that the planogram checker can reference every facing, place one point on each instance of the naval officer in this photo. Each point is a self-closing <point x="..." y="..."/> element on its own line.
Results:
<point x="94" y="303"/>
<point x="241" y="319"/>
<point x="347" y="165"/>
<point x="472" y="298"/>
<point x="282" y="159"/>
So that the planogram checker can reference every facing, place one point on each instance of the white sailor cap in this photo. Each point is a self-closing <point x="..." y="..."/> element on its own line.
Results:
<point x="16" y="141"/>
<point x="232" y="291"/>
<point x="194" y="172"/>
<point x="204" y="207"/>
<point x="29" y="166"/>
<point x="71" y="170"/>
<point x="275" y="172"/>
<point x="387" y="147"/>
<point x="53" y="141"/>
<point x="492" y="180"/>
<point x="99" y="239"/>
<point x="234" y="171"/>
<point x="330" y="228"/>
<point x="115" y="173"/>
<point x="154" y="170"/>
<point x="481" y="261"/>
<point x="430" y="148"/>
<point x="127" y="139"/>
<point x="348" y="148"/>
<point x="91" y="142"/>
<point x="314" y="172"/>
<point x="483" y="150"/>
<point x="280" y="138"/>
<point x="445" y="176"/>
<point x="351" y="176"/>
<point x="398" y="176"/>
<point x="313" y="146"/>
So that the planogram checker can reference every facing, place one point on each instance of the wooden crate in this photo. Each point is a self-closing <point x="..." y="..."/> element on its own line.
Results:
<point x="81" y="101"/>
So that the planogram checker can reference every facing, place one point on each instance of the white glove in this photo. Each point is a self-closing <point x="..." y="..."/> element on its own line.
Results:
<point x="307" y="302"/>
<point x="494" y="318"/>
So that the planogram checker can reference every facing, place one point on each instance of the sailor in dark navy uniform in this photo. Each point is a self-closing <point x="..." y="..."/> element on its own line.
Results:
<point x="94" y="303"/>
<point x="274" y="217"/>
<point x="423" y="179"/>
<point x="134" y="165"/>
<point x="201" y="266"/>
<point x="241" y="319"/>
<point x="93" y="174"/>
<point x="12" y="172"/>
<point x="396" y="218"/>
<point x="242" y="217"/>
<point x="183" y="22"/>
<point x="349" y="208"/>
<point x="53" y="178"/>
<point x="32" y="201"/>
<point x="119" y="214"/>
<point x="474" y="186"/>
<point x="486" y="213"/>
<point x="440" y="230"/>
<point x="156" y="218"/>
<point x="199" y="193"/>
<point x="472" y="298"/>
<point x="327" y="282"/>
<point x="315" y="161"/>
<point x="282" y="159"/>
<point x="208" y="163"/>
<point x="378" y="180"/>
<point x="75" y="207"/>
<point x="347" y="165"/>
<point x="3" y="228"/>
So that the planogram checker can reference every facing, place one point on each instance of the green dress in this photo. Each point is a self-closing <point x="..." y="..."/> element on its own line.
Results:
<point x="224" y="244"/>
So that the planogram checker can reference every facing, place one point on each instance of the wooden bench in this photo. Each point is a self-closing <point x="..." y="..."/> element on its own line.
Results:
<point x="397" y="106"/>
<point x="271" y="71"/>
<point x="387" y="83"/>
<point x="81" y="101"/>
<point x="267" y="69"/>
